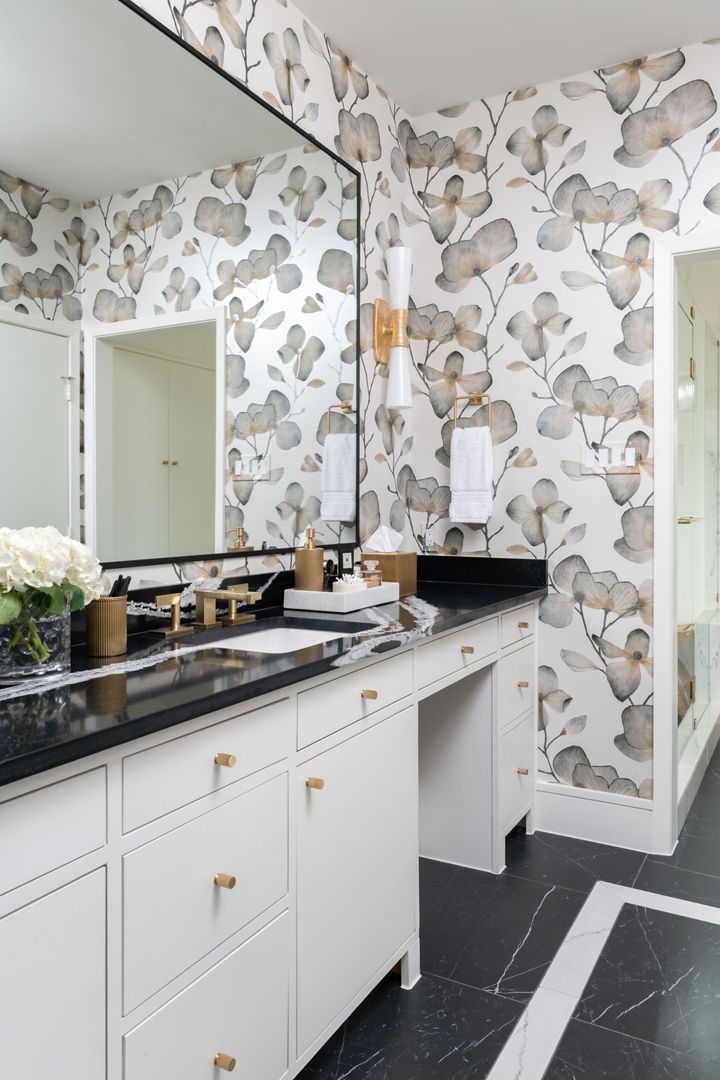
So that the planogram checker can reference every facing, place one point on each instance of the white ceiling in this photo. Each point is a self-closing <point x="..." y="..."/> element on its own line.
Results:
<point x="96" y="101"/>
<point x="429" y="54"/>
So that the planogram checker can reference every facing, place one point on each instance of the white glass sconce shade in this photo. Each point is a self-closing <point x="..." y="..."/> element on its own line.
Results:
<point x="399" y="267"/>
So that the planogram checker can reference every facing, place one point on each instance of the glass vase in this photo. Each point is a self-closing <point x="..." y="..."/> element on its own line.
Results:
<point x="33" y="647"/>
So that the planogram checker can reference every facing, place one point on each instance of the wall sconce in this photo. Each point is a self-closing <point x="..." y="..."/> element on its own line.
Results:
<point x="390" y="343"/>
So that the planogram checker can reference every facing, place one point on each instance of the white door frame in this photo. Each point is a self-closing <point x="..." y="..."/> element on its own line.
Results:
<point x="103" y="332"/>
<point x="669" y="251"/>
<point x="71" y="332"/>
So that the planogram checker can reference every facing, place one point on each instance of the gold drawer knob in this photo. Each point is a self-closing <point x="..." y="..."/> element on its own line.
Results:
<point x="371" y="695"/>
<point x="224" y="1061"/>
<point x="469" y="649"/>
<point x="315" y="782"/>
<point x="226" y="759"/>
<point x="523" y="626"/>
<point x="523" y="772"/>
<point x="523" y="685"/>
<point x="225" y="881"/>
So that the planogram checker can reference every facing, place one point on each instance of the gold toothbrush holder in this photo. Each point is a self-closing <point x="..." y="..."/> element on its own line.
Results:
<point x="106" y="626"/>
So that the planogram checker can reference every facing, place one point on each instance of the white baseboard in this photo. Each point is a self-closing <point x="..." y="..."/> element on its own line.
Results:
<point x="694" y="762"/>
<point x="593" y="815"/>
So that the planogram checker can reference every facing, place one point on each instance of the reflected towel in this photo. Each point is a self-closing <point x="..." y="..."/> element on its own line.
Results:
<point x="471" y="473"/>
<point x="338" y="478"/>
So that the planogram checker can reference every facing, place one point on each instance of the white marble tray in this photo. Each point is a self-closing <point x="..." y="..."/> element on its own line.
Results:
<point x="304" y="599"/>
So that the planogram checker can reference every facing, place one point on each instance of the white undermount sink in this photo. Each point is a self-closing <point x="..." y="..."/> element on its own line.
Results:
<point x="278" y="639"/>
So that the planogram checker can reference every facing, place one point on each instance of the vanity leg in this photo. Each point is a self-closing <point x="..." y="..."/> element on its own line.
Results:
<point x="410" y="966"/>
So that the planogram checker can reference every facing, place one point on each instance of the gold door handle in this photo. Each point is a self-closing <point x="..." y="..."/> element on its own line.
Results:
<point x="523" y="685"/>
<point x="370" y="695"/>
<point x="315" y="782"/>
<point x="468" y="649"/>
<point x="226" y="759"/>
<point x="688" y="520"/>
<point x="224" y="1061"/>
<point x="523" y="772"/>
<point x="225" y="881"/>
<point x="523" y="626"/>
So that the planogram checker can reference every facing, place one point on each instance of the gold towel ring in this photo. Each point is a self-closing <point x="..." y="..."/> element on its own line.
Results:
<point x="475" y="399"/>
<point x="346" y="407"/>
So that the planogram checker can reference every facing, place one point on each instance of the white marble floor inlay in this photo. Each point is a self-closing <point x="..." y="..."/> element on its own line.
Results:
<point x="529" y="1050"/>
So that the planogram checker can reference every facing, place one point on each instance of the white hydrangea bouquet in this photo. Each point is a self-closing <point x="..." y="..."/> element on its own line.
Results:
<point x="42" y="574"/>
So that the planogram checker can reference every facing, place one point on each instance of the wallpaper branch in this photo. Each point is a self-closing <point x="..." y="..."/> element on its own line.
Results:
<point x="531" y="217"/>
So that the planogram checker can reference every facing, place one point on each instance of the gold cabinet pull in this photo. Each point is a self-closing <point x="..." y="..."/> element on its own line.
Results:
<point x="226" y="759"/>
<point x="469" y="649"/>
<point x="174" y="462"/>
<point x="523" y="772"/>
<point x="224" y="1061"/>
<point x="371" y="695"/>
<point x="225" y="881"/>
<point x="523" y="685"/>
<point x="165" y="461"/>
<point x="523" y="626"/>
<point x="315" y="782"/>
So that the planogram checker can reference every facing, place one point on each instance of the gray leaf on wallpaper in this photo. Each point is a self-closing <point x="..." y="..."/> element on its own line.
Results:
<point x="577" y="585"/>
<point x="466" y="260"/>
<point x="531" y="515"/>
<point x="626" y="665"/>
<point x="579" y="396"/>
<point x="572" y="766"/>
<point x="286" y="62"/>
<point x="636" y="543"/>
<point x="529" y="330"/>
<point x="712" y="199"/>
<point x="446" y="384"/>
<point x="636" y="742"/>
<point x="529" y="146"/>
<point x="651" y="129"/>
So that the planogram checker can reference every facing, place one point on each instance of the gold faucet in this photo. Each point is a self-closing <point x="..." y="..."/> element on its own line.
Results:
<point x="205" y="600"/>
<point x="240" y="544"/>
<point x="171" y="600"/>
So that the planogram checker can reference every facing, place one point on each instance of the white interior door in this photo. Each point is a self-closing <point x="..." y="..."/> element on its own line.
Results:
<point x="191" y="445"/>
<point x="39" y="397"/>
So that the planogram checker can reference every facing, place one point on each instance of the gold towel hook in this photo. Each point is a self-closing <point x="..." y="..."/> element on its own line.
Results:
<point x="475" y="398"/>
<point x="346" y="406"/>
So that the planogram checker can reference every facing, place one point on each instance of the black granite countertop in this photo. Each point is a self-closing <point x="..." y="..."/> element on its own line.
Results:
<point x="66" y="717"/>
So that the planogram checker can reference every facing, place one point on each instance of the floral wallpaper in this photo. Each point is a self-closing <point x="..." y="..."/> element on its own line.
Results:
<point x="531" y="217"/>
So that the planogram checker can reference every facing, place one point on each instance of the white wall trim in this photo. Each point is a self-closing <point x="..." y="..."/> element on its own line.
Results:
<point x="667" y="251"/>
<point x="595" y="815"/>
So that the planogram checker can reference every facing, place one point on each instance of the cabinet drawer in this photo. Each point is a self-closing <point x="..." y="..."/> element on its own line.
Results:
<point x="517" y="684"/>
<point x="517" y="751"/>
<point x="445" y="656"/>
<point x="238" y="1008"/>
<point x="50" y="827"/>
<point x="517" y="625"/>
<point x="177" y="772"/>
<point x="174" y="912"/>
<point x="335" y="704"/>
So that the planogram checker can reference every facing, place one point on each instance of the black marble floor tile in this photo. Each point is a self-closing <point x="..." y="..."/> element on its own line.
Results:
<point x="436" y="1031"/>
<point x="587" y="1052"/>
<point x="496" y="933"/>
<point x="703" y="820"/>
<point x="658" y="979"/>
<point x="573" y="864"/>
<point x="694" y="853"/>
<point x="659" y="876"/>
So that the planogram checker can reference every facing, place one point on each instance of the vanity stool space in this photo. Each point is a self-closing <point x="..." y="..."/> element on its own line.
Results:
<point x="221" y="894"/>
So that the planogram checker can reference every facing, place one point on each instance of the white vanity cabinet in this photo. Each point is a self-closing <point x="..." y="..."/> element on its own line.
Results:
<point x="357" y="866"/>
<point x="223" y="893"/>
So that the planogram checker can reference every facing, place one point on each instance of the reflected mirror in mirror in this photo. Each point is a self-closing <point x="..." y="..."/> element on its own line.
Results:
<point x="162" y="213"/>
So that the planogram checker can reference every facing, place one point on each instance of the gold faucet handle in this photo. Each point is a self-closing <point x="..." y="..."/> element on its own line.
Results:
<point x="168" y="600"/>
<point x="245" y="596"/>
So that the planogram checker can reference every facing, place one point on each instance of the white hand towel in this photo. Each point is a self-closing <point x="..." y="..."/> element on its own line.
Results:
<point x="338" y="478"/>
<point x="471" y="473"/>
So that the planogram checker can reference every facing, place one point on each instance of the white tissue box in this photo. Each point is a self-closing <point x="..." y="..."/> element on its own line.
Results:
<point x="305" y="600"/>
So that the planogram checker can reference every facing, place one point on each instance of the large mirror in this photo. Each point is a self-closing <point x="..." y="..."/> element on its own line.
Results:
<point x="208" y="251"/>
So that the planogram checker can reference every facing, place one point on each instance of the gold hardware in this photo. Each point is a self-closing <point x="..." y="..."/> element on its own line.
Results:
<point x="693" y="687"/>
<point x="205" y="599"/>
<point x="523" y="772"/>
<point x="689" y="520"/>
<point x="239" y="544"/>
<point x="174" y="462"/>
<point x="523" y="685"/>
<point x="315" y="782"/>
<point x="389" y="330"/>
<point x="523" y="625"/>
<point x="692" y="312"/>
<point x="172" y="600"/>
<point x="693" y="369"/>
<point x="225" y="881"/>
<point x="686" y="630"/>
<point x="166" y="461"/>
<point x="226" y="759"/>
<point x="476" y="398"/>
<point x="224" y="1061"/>
<point x="346" y="407"/>
<point x="371" y="695"/>
<point x="469" y="649"/>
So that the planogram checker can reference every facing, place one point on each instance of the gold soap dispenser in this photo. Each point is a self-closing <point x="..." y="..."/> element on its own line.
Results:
<point x="309" y="564"/>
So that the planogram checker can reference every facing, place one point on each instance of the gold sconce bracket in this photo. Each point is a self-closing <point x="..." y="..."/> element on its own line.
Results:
<point x="389" y="330"/>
